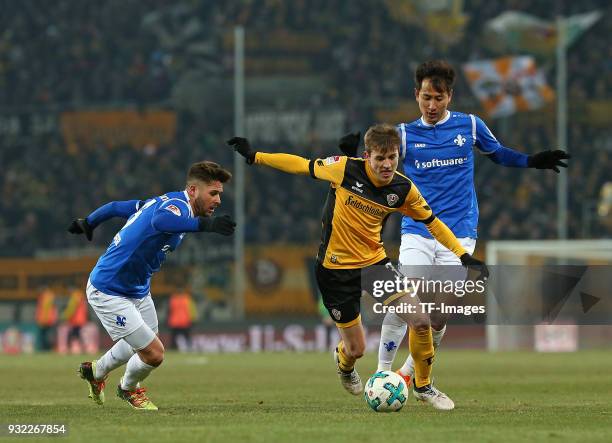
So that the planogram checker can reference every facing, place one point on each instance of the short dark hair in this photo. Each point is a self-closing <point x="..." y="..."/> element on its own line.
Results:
<point x="208" y="172"/>
<point x="440" y="73"/>
<point x="382" y="137"/>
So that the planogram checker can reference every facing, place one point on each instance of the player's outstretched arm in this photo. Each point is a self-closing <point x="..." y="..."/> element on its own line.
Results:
<point x="496" y="152"/>
<point x="123" y="209"/>
<point x="542" y="160"/>
<point x="330" y="169"/>
<point x="173" y="217"/>
<point x="292" y="164"/>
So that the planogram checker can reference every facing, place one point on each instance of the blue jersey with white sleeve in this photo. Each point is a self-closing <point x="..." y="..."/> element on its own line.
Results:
<point x="439" y="159"/>
<point x="140" y="247"/>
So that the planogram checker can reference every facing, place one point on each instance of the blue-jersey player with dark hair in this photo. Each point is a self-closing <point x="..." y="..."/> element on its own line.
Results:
<point x="437" y="153"/>
<point x="118" y="289"/>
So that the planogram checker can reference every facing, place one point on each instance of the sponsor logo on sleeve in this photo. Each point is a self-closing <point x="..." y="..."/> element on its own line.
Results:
<point x="175" y="210"/>
<point x="331" y="160"/>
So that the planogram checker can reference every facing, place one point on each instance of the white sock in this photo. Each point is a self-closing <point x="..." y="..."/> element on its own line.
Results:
<point x="391" y="334"/>
<point x="135" y="372"/>
<point x="116" y="356"/>
<point x="408" y="367"/>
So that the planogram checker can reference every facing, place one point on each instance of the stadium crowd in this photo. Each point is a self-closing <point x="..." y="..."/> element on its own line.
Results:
<point x="68" y="55"/>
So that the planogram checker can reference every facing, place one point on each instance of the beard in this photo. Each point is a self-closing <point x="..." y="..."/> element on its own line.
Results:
<point x="199" y="208"/>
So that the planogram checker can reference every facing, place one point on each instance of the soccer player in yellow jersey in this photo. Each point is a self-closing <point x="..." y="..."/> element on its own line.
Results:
<point x="363" y="192"/>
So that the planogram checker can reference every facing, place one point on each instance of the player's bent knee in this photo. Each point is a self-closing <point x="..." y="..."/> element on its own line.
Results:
<point x="437" y="326"/>
<point x="355" y="350"/>
<point x="141" y="338"/>
<point x="358" y="353"/>
<point x="157" y="359"/>
<point x="438" y="321"/>
<point x="153" y="354"/>
<point x="151" y="358"/>
<point x="149" y="347"/>
<point x="420" y="323"/>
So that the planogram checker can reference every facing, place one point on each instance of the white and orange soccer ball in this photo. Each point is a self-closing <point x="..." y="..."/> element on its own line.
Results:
<point x="386" y="391"/>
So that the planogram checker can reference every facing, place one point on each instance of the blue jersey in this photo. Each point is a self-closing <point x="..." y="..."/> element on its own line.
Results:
<point x="439" y="159"/>
<point x="140" y="247"/>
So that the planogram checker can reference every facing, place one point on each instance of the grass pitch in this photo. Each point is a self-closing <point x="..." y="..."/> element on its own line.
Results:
<point x="296" y="397"/>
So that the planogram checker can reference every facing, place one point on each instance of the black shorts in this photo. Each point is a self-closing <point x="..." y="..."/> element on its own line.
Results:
<point x="341" y="289"/>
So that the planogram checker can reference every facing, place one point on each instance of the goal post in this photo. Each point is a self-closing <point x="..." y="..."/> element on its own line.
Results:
<point x="523" y="253"/>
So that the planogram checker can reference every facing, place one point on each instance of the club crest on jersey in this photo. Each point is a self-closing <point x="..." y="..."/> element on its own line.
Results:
<point x="173" y="209"/>
<point x="331" y="160"/>
<point x="459" y="140"/>
<point x="337" y="314"/>
<point x="392" y="199"/>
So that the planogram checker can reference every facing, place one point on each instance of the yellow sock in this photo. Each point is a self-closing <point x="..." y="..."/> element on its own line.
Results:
<point x="347" y="364"/>
<point x="422" y="351"/>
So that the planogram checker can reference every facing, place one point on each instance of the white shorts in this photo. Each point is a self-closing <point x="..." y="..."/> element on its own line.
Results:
<point x="418" y="255"/>
<point x="121" y="316"/>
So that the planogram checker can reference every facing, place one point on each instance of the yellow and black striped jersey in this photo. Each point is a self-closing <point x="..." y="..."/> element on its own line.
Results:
<point x="357" y="208"/>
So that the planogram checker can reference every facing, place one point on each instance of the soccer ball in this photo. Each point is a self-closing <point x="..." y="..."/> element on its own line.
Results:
<point x="386" y="391"/>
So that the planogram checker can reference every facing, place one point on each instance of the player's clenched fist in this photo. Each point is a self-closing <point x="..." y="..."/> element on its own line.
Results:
<point x="223" y="224"/>
<point x="242" y="146"/>
<point x="350" y="143"/>
<point x="80" y="226"/>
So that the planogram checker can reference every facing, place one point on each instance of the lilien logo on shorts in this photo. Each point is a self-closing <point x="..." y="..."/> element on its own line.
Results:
<point x="437" y="163"/>
<point x="120" y="320"/>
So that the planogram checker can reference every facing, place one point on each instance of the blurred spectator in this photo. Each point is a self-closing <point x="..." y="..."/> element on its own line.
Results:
<point x="75" y="314"/>
<point x="71" y="56"/>
<point x="181" y="315"/>
<point x="46" y="318"/>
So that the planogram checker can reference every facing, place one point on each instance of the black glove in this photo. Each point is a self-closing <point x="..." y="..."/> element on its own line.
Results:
<point x="548" y="160"/>
<point x="350" y="143"/>
<point x="242" y="146"/>
<point x="223" y="224"/>
<point x="473" y="263"/>
<point x="80" y="226"/>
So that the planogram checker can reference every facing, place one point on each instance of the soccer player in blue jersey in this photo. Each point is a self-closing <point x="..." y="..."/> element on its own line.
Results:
<point x="437" y="156"/>
<point x="118" y="289"/>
